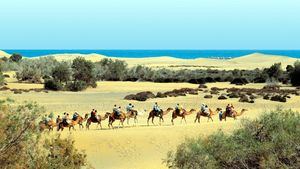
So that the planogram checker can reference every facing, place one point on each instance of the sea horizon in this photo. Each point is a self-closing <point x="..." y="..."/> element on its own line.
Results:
<point x="140" y="53"/>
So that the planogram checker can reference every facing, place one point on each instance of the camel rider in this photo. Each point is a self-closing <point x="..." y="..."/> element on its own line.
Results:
<point x="129" y="107"/>
<point x="75" y="116"/>
<point x="156" y="109"/>
<point x="93" y="114"/>
<point x="64" y="119"/>
<point x="115" y="109"/>
<point x="228" y="109"/>
<point x="203" y="106"/>
<point x="45" y="119"/>
<point x="220" y="113"/>
<point x="118" y="111"/>
<point x="58" y="119"/>
<point x="178" y="108"/>
<point x="206" y="110"/>
<point x="68" y="120"/>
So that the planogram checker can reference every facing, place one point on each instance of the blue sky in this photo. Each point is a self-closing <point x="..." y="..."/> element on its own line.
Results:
<point x="149" y="24"/>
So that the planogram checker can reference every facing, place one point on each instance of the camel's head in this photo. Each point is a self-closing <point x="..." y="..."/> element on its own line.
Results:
<point x="86" y="115"/>
<point x="107" y="114"/>
<point x="192" y="110"/>
<point x="244" y="110"/>
<point x="170" y="109"/>
<point x="218" y="109"/>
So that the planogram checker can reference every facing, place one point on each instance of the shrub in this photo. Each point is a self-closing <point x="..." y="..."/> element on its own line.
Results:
<point x="272" y="141"/>
<point x="21" y="144"/>
<point x="208" y="96"/>
<point x="239" y="81"/>
<point x="295" y="74"/>
<point x="2" y="79"/>
<point x="15" y="57"/>
<point x="275" y="71"/>
<point x="76" y="86"/>
<point x="222" y="97"/>
<point x="62" y="72"/>
<point x="83" y="71"/>
<point x="53" y="85"/>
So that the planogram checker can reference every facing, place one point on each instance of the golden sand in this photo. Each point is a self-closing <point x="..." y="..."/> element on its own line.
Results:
<point x="140" y="146"/>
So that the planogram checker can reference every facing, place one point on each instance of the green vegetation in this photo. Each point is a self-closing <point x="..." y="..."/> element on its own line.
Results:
<point x="15" y="57"/>
<point x="272" y="141"/>
<point x="21" y="144"/>
<point x="79" y="74"/>
<point x="294" y="74"/>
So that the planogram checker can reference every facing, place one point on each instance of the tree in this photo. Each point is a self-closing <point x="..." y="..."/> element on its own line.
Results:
<point x="15" y="57"/>
<point x="62" y="72"/>
<point x="83" y="70"/>
<point x="275" y="71"/>
<point x="21" y="144"/>
<point x="289" y="68"/>
<point x="295" y="74"/>
<point x="109" y="69"/>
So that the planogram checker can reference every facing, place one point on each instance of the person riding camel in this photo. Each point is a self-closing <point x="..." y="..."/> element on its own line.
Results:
<point x="129" y="108"/>
<point x="75" y="116"/>
<point x="203" y="106"/>
<point x="220" y="113"/>
<point x="68" y="120"/>
<point x="228" y="109"/>
<point x="178" y="108"/>
<point x="58" y="119"/>
<point x="64" y="119"/>
<point x="206" y="110"/>
<point x="117" y="110"/>
<point x="157" y="109"/>
<point x="93" y="115"/>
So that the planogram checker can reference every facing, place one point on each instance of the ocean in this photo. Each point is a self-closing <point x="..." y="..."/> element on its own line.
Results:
<point x="183" y="54"/>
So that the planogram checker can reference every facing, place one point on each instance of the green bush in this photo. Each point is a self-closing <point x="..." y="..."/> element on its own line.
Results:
<point x="295" y="74"/>
<point x="21" y="144"/>
<point x="62" y="72"/>
<point x="53" y="85"/>
<point x="76" y="86"/>
<point x="272" y="141"/>
<point x="15" y="57"/>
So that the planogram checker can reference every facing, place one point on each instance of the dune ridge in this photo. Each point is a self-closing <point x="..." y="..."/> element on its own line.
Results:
<point x="252" y="61"/>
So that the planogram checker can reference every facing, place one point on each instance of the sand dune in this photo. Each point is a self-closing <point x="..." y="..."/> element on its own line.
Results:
<point x="4" y="54"/>
<point x="256" y="60"/>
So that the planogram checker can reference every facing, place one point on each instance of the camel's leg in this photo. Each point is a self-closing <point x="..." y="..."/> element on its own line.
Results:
<point x="148" y="120"/>
<point x="184" y="119"/>
<point x="128" y="120"/>
<point x="100" y="125"/>
<point x="153" y="120"/>
<point x="172" y="121"/>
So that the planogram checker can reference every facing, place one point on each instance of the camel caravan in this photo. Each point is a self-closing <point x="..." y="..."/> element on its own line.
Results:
<point x="48" y="123"/>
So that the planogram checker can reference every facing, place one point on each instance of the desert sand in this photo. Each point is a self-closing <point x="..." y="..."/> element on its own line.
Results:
<point x="139" y="146"/>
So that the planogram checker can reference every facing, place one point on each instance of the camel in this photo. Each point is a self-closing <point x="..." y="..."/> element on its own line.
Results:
<point x="234" y="114"/>
<point x="98" y="120"/>
<point x="49" y="125"/>
<point x="113" y="117"/>
<point x="73" y="123"/>
<point x="153" y="114"/>
<point x="209" y="117"/>
<point x="133" y="114"/>
<point x="182" y="115"/>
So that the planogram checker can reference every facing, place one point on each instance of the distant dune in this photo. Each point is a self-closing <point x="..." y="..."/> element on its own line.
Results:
<point x="252" y="61"/>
